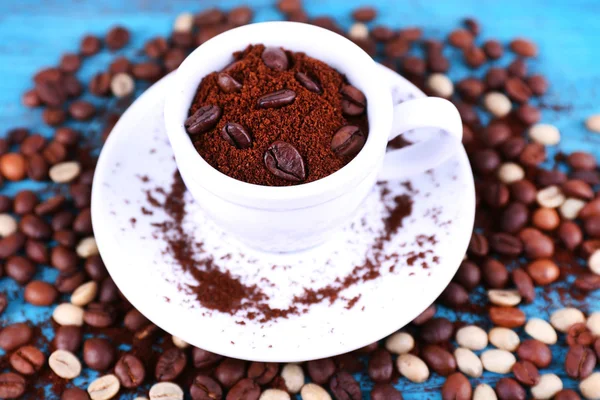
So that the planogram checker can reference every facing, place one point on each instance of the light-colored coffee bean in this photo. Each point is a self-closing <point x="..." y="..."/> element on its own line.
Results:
<point x="468" y="362"/>
<point x="483" y="391"/>
<point x="312" y="391"/>
<point x="293" y="376"/>
<point x="184" y="22"/>
<point x="571" y="207"/>
<point x="593" y="123"/>
<point x="122" y="84"/>
<point x="472" y="337"/>
<point x="84" y="294"/>
<point x="359" y="31"/>
<point x="550" y="197"/>
<point x="87" y="247"/>
<point x="412" y="368"/>
<point x="498" y="361"/>
<point x="594" y="262"/>
<point x="178" y="342"/>
<point x="498" y="104"/>
<point x="166" y="391"/>
<point x="593" y="323"/>
<point x="590" y="386"/>
<point x="510" y="172"/>
<point x="507" y="298"/>
<point x="64" y="364"/>
<point x="547" y="387"/>
<point x="564" y="318"/>
<point x="104" y="388"/>
<point x="400" y="343"/>
<point x="545" y="134"/>
<point x="440" y="85"/>
<point x="541" y="330"/>
<point x="8" y="225"/>
<point x="68" y="314"/>
<point x="504" y="339"/>
<point x="64" y="172"/>
<point x="274" y="394"/>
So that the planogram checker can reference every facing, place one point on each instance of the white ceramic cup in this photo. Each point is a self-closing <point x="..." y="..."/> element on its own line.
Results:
<point x="293" y="218"/>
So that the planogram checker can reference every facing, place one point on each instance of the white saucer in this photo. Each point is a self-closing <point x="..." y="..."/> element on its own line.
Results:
<point x="443" y="206"/>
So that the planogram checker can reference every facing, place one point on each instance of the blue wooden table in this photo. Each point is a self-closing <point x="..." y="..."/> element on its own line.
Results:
<point x="33" y="34"/>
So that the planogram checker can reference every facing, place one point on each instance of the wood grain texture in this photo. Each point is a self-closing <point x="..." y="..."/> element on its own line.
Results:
<point x="33" y="33"/>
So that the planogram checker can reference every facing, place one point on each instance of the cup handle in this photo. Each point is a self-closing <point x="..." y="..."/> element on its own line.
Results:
<point x="428" y="112"/>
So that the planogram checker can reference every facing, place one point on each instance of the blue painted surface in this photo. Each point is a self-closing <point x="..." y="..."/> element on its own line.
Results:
<point x="33" y="33"/>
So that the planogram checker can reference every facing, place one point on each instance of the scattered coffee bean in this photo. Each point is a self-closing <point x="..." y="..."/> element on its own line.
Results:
<point x="275" y="58"/>
<point x="547" y="387"/>
<point x="245" y="389"/>
<point x="12" y="386"/>
<point x="104" y="388"/>
<point x="509" y="389"/>
<point x="526" y="373"/>
<point x="283" y="160"/>
<point x="64" y="364"/>
<point x="277" y="99"/>
<point x="498" y="361"/>
<point x="412" y="368"/>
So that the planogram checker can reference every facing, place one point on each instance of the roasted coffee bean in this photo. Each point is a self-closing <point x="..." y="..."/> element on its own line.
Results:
<point x="536" y="244"/>
<point x="470" y="89"/>
<point x="546" y="178"/>
<point x="40" y="293"/>
<point x="512" y="147"/>
<point x="20" y="269"/>
<point x="567" y="394"/>
<point x="65" y="238"/>
<point x="524" y="284"/>
<point x="528" y="114"/>
<point x="240" y="16"/>
<point x="353" y="100"/>
<point x="170" y="364"/>
<point x="456" y="387"/>
<point x="533" y="154"/>
<point x="425" y="316"/>
<point x="134" y="321"/>
<point x="537" y="84"/>
<point x="244" y="389"/>
<point x="13" y="166"/>
<point x="437" y="330"/>
<point x="461" y="38"/>
<point x="275" y="58"/>
<point x="27" y="360"/>
<point x="526" y="373"/>
<point x="203" y="359"/>
<point x="536" y="352"/>
<point x="156" y="48"/>
<point x="478" y="245"/>
<point x="496" y="194"/>
<point x="227" y="83"/>
<point x="494" y="273"/>
<point x="55" y="152"/>
<point x="587" y="282"/>
<point x="517" y="68"/>
<point x="11" y="244"/>
<point x="98" y="354"/>
<point x="117" y="38"/>
<point x="495" y="78"/>
<point x="35" y="227"/>
<point x="50" y="206"/>
<point x="578" y="189"/>
<point x="496" y="133"/>
<point x="321" y="370"/>
<point x="73" y="87"/>
<point x="83" y="222"/>
<point x="523" y="47"/>
<point x="507" y="317"/>
<point x="413" y="66"/>
<point x="344" y="387"/>
<point x="3" y="302"/>
<point x="509" y="389"/>
<point x="506" y="244"/>
<point x="580" y="362"/>
<point x="95" y="268"/>
<point x="204" y="119"/>
<point x="454" y="295"/>
<point x="108" y="292"/>
<point x="12" y="386"/>
<point x="439" y="359"/>
<point x="99" y="315"/>
<point x="82" y="110"/>
<point x="130" y="371"/>
<point x="276" y="99"/>
<point x="380" y="367"/>
<point x="68" y="281"/>
<point x="514" y="217"/>
<point x="308" y="82"/>
<point x="486" y="161"/>
<point x="468" y="275"/>
<point x="148" y="71"/>
<point x="68" y="338"/>
<point x="236" y="135"/>
<point x="384" y="391"/>
<point x="284" y="161"/>
<point x="347" y="141"/>
<point x="14" y="336"/>
<point x="474" y="57"/>
<point x="396" y="48"/>
<point x="32" y="144"/>
<point x="493" y="49"/>
<point x="74" y="393"/>
<point x="262" y="373"/>
<point x="206" y="388"/>
<point x="523" y="191"/>
<point x="100" y="84"/>
<point x="230" y="371"/>
<point x="31" y="99"/>
<point x="579" y="333"/>
<point x="52" y="93"/>
<point x="90" y="45"/>
<point x="63" y="259"/>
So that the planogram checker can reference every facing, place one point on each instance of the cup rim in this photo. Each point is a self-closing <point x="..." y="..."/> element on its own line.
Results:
<point x="379" y="109"/>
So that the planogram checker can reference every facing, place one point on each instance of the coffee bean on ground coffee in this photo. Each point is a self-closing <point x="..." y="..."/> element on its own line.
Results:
<point x="274" y="117"/>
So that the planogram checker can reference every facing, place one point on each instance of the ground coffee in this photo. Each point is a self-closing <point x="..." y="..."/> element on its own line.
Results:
<point x="277" y="118"/>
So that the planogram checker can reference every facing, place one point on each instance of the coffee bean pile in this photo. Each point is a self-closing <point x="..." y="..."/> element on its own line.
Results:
<point x="537" y="233"/>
